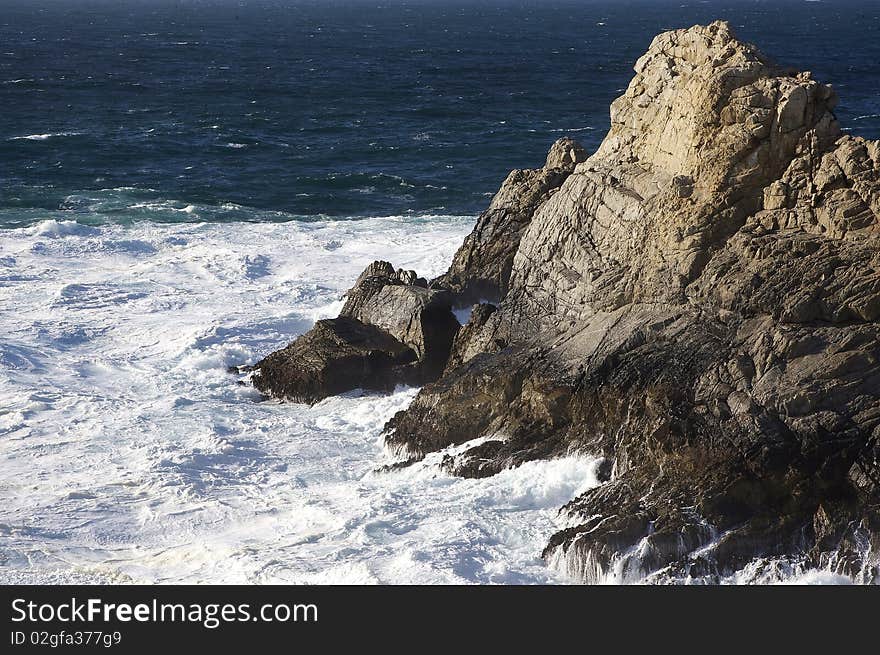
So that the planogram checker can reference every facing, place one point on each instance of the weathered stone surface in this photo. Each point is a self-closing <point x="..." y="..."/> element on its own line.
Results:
<point x="335" y="356"/>
<point x="679" y="172"/>
<point x="698" y="302"/>
<point x="401" y="303"/>
<point x="481" y="267"/>
<point x="835" y="193"/>
<point x="392" y="330"/>
<point x="470" y="340"/>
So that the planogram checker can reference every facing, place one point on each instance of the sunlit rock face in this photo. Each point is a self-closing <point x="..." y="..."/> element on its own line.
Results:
<point x="698" y="303"/>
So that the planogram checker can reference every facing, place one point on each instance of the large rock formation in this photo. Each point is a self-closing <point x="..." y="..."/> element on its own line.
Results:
<point x="699" y="303"/>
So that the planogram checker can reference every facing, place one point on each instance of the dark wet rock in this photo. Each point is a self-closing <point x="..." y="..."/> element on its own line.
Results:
<point x="392" y="330"/>
<point x="401" y="303"/>
<point x="335" y="356"/>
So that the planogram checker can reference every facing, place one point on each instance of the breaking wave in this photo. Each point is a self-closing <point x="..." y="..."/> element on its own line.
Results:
<point x="163" y="469"/>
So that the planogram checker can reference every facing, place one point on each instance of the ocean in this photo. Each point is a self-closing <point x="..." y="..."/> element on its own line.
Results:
<point x="187" y="185"/>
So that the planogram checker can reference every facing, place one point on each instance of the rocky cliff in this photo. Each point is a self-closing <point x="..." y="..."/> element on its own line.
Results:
<point x="698" y="302"/>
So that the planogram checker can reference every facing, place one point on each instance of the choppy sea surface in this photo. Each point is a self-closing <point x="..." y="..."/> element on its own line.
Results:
<point x="189" y="185"/>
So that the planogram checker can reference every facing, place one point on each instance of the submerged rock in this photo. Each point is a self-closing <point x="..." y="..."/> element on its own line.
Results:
<point x="698" y="302"/>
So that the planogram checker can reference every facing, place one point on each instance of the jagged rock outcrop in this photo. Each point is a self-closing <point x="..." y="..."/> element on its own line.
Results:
<point x="481" y="268"/>
<point x="698" y="302"/>
<point x="392" y="330"/>
<point x="401" y="303"/>
<point x="335" y="356"/>
<point x="466" y="344"/>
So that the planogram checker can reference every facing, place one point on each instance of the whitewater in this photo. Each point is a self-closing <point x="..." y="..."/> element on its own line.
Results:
<point x="128" y="453"/>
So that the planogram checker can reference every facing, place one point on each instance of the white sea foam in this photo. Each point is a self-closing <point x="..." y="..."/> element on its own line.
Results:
<point x="575" y="129"/>
<point x="54" y="228"/>
<point x="129" y="454"/>
<point x="463" y="314"/>
<point x="633" y="566"/>
<point x="43" y="137"/>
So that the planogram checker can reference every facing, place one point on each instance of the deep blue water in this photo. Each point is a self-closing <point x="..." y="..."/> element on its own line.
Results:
<point x="272" y="109"/>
